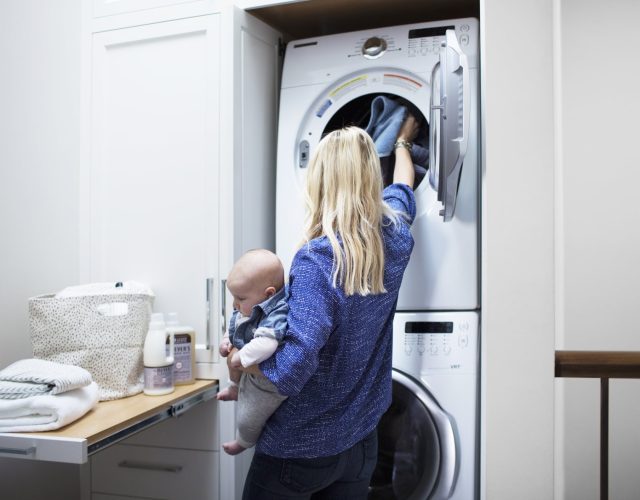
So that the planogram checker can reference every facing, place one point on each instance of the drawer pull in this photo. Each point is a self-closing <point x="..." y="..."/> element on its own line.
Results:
<point x="129" y="464"/>
<point x="19" y="451"/>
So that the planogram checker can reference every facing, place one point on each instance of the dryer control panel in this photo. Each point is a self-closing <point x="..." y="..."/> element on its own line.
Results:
<point x="411" y="47"/>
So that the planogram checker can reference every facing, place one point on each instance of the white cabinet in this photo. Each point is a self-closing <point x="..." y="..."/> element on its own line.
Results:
<point x="176" y="459"/>
<point x="155" y="165"/>
<point x="177" y="181"/>
<point x="179" y="175"/>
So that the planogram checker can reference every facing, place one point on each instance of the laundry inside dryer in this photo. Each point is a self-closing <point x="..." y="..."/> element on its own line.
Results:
<point x="358" y="113"/>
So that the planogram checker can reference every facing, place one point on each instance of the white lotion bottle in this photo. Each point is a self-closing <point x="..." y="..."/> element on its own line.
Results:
<point x="158" y="366"/>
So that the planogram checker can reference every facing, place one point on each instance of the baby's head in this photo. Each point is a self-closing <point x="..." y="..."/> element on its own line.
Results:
<point x="255" y="277"/>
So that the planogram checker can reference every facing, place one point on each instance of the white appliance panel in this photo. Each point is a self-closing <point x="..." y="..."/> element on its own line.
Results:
<point x="323" y="75"/>
<point x="441" y="352"/>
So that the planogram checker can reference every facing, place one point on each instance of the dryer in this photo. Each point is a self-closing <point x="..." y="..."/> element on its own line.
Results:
<point x="329" y="82"/>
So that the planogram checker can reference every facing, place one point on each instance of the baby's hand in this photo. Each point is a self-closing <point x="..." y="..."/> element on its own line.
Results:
<point x="225" y="347"/>
<point x="235" y="361"/>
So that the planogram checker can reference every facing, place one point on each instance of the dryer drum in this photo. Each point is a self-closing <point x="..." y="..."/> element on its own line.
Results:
<point x="357" y="113"/>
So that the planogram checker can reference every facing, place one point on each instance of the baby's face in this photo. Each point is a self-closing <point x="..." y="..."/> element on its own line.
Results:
<point x="245" y="296"/>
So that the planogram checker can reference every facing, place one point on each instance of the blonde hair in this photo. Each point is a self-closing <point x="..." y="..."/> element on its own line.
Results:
<point x="344" y="200"/>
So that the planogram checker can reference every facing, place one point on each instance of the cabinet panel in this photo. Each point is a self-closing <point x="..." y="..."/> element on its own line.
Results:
<point x="154" y="171"/>
<point x="155" y="472"/>
<point x="259" y="81"/>
<point x="196" y="429"/>
<point x="111" y="7"/>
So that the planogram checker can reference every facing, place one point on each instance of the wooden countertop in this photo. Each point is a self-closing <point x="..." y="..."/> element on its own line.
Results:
<point x="106" y="424"/>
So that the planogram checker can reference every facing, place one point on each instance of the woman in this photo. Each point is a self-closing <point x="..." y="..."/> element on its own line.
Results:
<point x="335" y="362"/>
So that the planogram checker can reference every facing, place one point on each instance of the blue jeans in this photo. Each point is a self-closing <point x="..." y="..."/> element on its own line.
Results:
<point x="344" y="476"/>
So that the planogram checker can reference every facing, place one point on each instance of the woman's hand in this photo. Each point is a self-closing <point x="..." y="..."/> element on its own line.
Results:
<point x="409" y="129"/>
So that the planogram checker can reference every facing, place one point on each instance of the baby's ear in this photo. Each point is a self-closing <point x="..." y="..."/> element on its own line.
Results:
<point x="269" y="291"/>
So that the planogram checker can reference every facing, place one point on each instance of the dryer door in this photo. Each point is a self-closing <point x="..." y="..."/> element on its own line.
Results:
<point x="416" y="446"/>
<point x="449" y="132"/>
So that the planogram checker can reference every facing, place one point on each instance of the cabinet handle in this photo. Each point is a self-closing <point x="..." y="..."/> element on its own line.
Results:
<point x="209" y="295"/>
<point x="130" y="464"/>
<point x="223" y="307"/>
<point x="19" y="451"/>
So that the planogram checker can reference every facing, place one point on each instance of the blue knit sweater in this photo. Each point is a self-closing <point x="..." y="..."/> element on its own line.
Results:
<point x="335" y="360"/>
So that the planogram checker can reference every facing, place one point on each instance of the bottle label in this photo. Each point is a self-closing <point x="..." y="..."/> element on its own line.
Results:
<point x="182" y="353"/>
<point x="158" y="377"/>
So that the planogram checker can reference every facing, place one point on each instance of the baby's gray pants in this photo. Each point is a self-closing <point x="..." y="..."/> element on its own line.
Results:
<point x="258" y="398"/>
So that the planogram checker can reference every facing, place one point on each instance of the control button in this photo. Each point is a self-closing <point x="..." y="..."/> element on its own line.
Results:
<point x="463" y="340"/>
<point x="303" y="158"/>
<point x="434" y="350"/>
<point x="464" y="39"/>
<point x="407" y="349"/>
<point x="424" y="51"/>
<point x="374" y="47"/>
<point x="420" y="349"/>
<point x="464" y="326"/>
<point x="412" y="52"/>
<point x="446" y="349"/>
<point x="464" y="27"/>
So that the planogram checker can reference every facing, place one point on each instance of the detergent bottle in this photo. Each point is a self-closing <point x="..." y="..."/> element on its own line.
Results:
<point x="158" y="366"/>
<point x="184" y="366"/>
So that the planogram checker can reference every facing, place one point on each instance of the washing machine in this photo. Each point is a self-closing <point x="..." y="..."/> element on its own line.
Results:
<point x="331" y="81"/>
<point x="428" y="439"/>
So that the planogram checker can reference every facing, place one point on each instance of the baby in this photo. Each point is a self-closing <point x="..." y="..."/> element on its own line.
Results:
<point x="257" y="326"/>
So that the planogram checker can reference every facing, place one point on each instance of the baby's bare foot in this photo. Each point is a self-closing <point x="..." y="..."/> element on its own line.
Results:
<point x="228" y="394"/>
<point x="233" y="447"/>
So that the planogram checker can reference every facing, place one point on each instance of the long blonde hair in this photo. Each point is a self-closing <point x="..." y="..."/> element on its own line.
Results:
<point x="344" y="200"/>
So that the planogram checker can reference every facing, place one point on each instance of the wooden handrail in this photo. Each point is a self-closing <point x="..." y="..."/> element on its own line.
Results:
<point x="603" y="365"/>
<point x="598" y="364"/>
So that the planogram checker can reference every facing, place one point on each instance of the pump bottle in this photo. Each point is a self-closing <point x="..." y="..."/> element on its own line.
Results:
<point x="158" y="364"/>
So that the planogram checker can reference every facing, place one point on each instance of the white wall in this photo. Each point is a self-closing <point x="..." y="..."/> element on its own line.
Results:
<point x="518" y="253"/>
<point x="39" y="160"/>
<point x="598" y="209"/>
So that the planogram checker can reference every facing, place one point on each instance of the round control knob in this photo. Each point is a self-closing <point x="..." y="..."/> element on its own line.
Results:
<point x="374" y="47"/>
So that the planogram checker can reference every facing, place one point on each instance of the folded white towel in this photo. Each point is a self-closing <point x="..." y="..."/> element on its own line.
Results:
<point x="108" y="288"/>
<point x="33" y="377"/>
<point x="45" y="413"/>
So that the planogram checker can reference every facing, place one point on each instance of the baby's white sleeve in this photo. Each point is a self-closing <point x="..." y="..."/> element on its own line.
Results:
<point x="256" y="351"/>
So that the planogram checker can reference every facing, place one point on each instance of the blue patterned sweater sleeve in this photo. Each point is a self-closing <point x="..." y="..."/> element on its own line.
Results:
<point x="400" y="197"/>
<point x="311" y="319"/>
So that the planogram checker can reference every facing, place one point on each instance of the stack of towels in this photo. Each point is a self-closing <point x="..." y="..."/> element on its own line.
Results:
<point x="38" y="395"/>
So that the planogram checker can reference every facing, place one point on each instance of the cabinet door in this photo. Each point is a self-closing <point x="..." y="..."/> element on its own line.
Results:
<point x="154" y="170"/>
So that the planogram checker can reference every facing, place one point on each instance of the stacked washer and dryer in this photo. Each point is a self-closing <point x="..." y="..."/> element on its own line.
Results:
<point x="428" y="439"/>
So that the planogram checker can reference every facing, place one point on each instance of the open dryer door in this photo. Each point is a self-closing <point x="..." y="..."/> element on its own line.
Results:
<point x="417" y="452"/>
<point x="449" y="130"/>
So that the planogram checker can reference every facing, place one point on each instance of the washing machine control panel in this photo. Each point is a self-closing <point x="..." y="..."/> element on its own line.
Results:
<point x="435" y="342"/>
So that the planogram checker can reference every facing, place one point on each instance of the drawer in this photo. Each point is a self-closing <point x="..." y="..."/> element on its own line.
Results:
<point x="151" y="472"/>
<point x="196" y="429"/>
